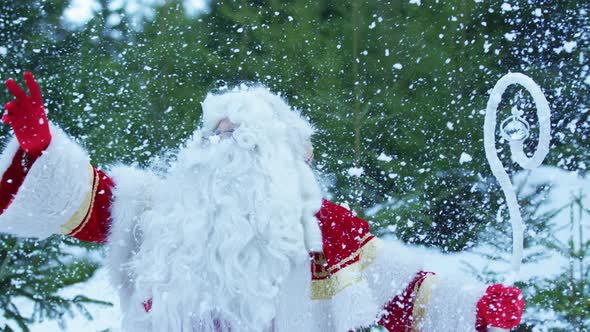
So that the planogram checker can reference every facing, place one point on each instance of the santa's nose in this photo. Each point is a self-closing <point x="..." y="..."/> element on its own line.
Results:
<point x="225" y="128"/>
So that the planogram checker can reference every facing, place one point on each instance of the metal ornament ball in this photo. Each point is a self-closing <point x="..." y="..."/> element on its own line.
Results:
<point x="515" y="128"/>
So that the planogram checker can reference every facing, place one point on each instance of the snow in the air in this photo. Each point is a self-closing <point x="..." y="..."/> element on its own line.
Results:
<point x="356" y="171"/>
<point x="465" y="158"/>
<point x="396" y="92"/>
<point x="384" y="157"/>
<point x="564" y="185"/>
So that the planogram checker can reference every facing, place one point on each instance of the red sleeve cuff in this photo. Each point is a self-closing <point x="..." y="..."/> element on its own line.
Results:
<point x="401" y="313"/>
<point x="91" y="223"/>
<point x="95" y="223"/>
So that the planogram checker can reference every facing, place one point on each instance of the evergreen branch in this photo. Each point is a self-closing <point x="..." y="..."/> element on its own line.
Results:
<point x="20" y="321"/>
<point x="6" y="259"/>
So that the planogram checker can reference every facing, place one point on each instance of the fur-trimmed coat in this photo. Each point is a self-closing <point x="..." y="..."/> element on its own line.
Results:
<point x="357" y="280"/>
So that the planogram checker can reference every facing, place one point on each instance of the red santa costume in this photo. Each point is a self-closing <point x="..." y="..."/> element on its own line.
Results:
<point x="234" y="236"/>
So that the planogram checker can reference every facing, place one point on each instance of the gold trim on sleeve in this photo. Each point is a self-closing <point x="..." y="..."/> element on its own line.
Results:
<point x="325" y="289"/>
<point x="423" y="295"/>
<point x="82" y="215"/>
<point x="318" y="266"/>
<point x="353" y="255"/>
<point x="369" y="252"/>
<point x="333" y="283"/>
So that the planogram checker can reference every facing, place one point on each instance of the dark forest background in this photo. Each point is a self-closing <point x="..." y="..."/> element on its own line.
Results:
<point x="396" y="90"/>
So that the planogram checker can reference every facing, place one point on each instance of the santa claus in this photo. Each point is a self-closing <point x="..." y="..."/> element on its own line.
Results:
<point x="235" y="236"/>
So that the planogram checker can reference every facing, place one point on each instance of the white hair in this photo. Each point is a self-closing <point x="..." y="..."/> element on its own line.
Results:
<point x="228" y="224"/>
<point x="258" y="109"/>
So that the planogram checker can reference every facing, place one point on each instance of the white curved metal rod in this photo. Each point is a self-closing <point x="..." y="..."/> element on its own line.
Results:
<point x="518" y="154"/>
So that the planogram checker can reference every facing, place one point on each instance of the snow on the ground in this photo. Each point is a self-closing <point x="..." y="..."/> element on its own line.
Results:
<point x="565" y="186"/>
<point x="99" y="288"/>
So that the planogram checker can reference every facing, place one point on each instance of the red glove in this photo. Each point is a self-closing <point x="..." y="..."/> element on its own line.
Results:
<point x="26" y="115"/>
<point x="500" y="307"/>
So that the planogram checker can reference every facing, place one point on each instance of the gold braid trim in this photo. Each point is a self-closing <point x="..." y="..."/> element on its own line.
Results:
<point x="324" y="289"/>
<point x="352" y="256"/>
<point x="369" y="252"/>
<point x="421" y="300"/>
<point x="82" y="215"/>
<point x="319" y="260"/>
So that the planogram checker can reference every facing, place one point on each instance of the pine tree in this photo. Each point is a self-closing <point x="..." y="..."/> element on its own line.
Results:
<point x="394" y="88"/>
<point x="555" y="232"/>
<point x="33" y="273"/>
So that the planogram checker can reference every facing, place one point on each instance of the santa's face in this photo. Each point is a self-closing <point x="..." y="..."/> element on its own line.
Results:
<point x="227" y="228"/>
<point x="225" y="128"/>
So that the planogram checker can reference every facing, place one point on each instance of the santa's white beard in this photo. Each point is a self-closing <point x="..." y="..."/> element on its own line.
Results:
<point x="223" y="235"/>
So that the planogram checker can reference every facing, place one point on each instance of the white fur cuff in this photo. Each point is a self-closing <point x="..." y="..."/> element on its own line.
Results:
<point x="132" y="196"/>
<point x="452" y="306"/>
<point x="53" y="191"/>
<point x="354" y="307"/>
<point x="391" y="272"/>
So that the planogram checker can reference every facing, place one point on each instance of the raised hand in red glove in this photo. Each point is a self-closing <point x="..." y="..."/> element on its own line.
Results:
<point x="26" y="115"/>
<point x="500" y="307"/>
